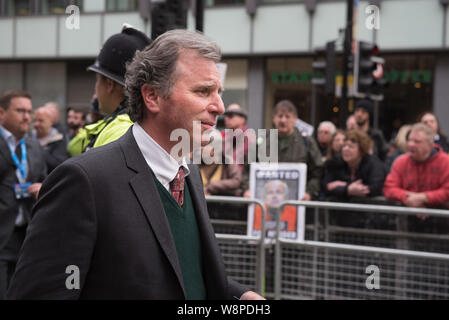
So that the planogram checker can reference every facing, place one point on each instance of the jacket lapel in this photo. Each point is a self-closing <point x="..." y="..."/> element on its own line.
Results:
<point x="213" y="266"/>
<point x="147" y="194"/>
<point x="4" y="150"/>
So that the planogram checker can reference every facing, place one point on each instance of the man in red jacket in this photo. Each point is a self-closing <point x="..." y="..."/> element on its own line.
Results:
<point x="419" y="178"/>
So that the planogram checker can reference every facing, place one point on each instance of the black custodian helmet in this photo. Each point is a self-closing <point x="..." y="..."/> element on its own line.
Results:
<point x="117" y="51"/>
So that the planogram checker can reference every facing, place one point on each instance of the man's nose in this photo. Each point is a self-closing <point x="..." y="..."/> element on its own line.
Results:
<point x="217" y="105"/>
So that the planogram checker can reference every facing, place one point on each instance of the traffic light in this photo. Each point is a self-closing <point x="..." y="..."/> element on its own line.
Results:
<point x="324" y="68"/>
<point x="368" y="71"/>
<point x="167" y="15"/>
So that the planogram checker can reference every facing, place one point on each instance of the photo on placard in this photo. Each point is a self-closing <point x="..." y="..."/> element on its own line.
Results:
<point x="274" y="184"/>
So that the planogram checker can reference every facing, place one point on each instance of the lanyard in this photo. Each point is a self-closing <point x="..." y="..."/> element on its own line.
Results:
<point x="22" y="165"/>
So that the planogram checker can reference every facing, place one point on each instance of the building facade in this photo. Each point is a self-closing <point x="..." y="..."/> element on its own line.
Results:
<point x="268" y="46"/>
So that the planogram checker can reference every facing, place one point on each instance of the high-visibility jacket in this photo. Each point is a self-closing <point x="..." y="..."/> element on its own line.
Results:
<point x="101" y="132"/>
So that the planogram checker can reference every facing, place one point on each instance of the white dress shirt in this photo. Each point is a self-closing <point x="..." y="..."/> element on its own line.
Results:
<point x="164" y="166"/>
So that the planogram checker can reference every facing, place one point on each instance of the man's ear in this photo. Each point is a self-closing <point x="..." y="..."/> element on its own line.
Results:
<point x="151" y="98"/>
<point x="110" y="85"/>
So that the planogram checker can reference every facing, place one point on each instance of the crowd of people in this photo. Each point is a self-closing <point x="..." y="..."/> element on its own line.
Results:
<point x="359" y="162"/>
<point x="356" y="161"/>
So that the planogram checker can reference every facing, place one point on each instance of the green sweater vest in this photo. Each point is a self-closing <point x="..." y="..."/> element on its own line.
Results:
<point x="183" y="226"/>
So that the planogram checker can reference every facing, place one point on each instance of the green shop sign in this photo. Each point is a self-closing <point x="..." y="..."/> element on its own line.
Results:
<point x="392" y="76"/>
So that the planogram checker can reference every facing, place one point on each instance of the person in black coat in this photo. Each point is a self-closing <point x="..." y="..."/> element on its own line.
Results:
<point x="51" y="140"/>
<point x="22" y="164"/>
<point x="355" y="173"/>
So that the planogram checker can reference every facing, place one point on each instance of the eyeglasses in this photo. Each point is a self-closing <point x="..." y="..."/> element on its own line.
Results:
<point x="23" y="111"/>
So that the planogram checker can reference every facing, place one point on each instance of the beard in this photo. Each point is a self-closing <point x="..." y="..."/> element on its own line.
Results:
<point x="361" y="122"/>
<point x="74" y="126"/>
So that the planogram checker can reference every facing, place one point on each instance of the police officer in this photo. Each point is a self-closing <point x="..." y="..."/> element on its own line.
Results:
<point x="110" y="68"/>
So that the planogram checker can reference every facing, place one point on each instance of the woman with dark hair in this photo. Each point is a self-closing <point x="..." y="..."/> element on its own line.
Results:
<point x="354" y="173"/>
<point x="431" y="120"/>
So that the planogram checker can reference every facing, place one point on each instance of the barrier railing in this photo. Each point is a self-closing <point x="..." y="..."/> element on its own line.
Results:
<point x="259" y="242"/>
<point x="318" y="268"/>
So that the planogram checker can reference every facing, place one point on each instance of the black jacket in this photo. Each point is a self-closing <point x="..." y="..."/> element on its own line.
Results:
<point x="55" y="149"/>
<point x="370" y="170"/>
<point x="102" y="213"/>
<point x="380" y="147"/>
<point x="9" y="205"/>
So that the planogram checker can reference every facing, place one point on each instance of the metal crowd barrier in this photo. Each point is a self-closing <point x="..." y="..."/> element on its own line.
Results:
<point x="246" y="261"/>
<point x="326" y="270"/>
<point x="320" y="269"/>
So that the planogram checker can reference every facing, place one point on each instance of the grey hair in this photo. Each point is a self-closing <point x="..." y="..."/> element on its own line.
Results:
<point x="425" y="129"/>
<point x="156" y="65"/>
<point x="328" y="124"/>
<point x="280" y="182"/>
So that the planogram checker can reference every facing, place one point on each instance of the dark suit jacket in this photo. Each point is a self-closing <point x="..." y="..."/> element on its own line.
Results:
<point x="9" y="205"/>
<point x="101" y="212"/>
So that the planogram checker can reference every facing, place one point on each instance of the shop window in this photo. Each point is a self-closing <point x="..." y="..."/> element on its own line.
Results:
<point x="121" y="5"/>
<point x="279" y="1"/>
<point x="18" y="7"/>
<point x="54" y="6"/>
<point x="212" y="3"/>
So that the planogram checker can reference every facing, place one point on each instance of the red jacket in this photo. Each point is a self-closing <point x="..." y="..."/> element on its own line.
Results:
<point x="431" y="177"/>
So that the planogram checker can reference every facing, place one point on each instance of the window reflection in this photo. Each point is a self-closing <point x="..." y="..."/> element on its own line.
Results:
<point x="121" y="5"/>
<point x="53" y="6"/>
<point x="212" y="3"/>
<point x="18" y="7"/>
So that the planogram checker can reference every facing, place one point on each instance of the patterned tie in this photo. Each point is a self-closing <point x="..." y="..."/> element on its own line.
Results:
<point x="177" y="187"/>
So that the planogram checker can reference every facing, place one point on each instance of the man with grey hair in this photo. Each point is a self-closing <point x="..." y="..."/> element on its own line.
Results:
<point x="419" y="178"/>
<point x="128" y="217"/>
<point x="325" y="132"/>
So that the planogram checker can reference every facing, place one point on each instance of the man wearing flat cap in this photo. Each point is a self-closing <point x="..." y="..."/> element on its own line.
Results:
<point x="235" y="119"/>
<point x="110" y="68"/>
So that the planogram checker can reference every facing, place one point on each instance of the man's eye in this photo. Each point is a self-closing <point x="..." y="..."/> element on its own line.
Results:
<point x="203" y="92"/>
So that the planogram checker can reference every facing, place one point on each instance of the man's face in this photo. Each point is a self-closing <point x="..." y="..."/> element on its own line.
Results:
<point x="75" y="119"/>
<point x="351" y="123"/>
<point x="431" y="121"/>
<point x="42" y="123"/>
<point x="361" y="116"/>
<point x="17" y="118"/>
<point x="324" y="135"/>
<point x="104" y="95"/>
<point x="284" y="121"/>
<point x="234" y="121"/>
<point x="275" y="194"/>
<point x="418" y="146"/>
<point x="195" y="95"/>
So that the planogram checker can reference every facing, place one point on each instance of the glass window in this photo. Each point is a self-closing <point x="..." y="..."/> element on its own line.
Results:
<point x="18" y="7"/>
<point x="279" y="1"/>
<point x="58" y="6"/>
<point x="212" y="3"/>
<point x="121" y="5"/>
<point x="53" y="6"/>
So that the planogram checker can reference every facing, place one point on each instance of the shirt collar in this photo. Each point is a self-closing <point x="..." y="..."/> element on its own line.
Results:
<point x="9" y="137"/>
<point x="164" y="166"/>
